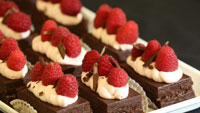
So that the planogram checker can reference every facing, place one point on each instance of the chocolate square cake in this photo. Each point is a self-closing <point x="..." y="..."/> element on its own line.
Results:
<point x="131" y="104"/>
<point x="164" y="94"/>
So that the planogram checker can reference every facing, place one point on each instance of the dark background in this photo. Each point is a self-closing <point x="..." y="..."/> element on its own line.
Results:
<point x="177" y="21"/>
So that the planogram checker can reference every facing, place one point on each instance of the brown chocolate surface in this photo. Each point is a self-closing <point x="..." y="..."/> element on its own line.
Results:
<point x="80" y="106"/>
<point x="131" y="104"/>
<point x="98" y="45"/>
<point x="163" y="94"/>
<point x="38" y="18"/>
<point x="8" y="89"/>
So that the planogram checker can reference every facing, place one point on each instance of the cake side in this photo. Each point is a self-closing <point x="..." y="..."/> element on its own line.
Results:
<point x="163" y="94"/>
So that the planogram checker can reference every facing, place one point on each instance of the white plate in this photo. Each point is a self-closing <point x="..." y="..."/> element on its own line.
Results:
<point x="175" y="108"/>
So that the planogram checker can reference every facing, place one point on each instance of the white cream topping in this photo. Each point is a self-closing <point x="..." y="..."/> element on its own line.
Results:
<point x="106" y="90"/>
<point x="53" y="53"/>
<point x="11" y="74"/>
<point x="54" y="11"/>
<point x="156" y="75"/>
<point x="101" y="33"/>
<point x="8" y="32"/>
<point x="48" y="94"/>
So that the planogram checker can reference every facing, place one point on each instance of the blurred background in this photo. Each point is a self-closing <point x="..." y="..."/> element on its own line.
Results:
<point x="177" y="21"/>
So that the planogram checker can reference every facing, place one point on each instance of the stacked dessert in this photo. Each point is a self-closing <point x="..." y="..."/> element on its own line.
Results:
<point x="105" y="85"/>
<point x="57" y="43"/>
<point x="65" y="12"/>
<point x="156" y="69"/>
<point x="12" y="68"/>
<point x="112" y="30"/>
<point x="14" y="23"/>
<point x="53" y="92"/>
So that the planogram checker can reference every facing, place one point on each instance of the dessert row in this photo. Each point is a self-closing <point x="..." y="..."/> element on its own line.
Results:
<point x="66" y="77"/>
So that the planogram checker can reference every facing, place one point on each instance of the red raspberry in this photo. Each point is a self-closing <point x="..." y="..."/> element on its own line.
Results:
<point x="72" y="45"/>
<point x="37" y="71"/>
<point x="54" y="1"/>
<point x="128" y="33"/>
<point x="102" y="15"/>
<point x="1" y="36"/>
<point x="71" y="7"/>
<point x="136" y="52"/>
<point x="89" y="60"/>
<point x="48" y="26"/>
<point x="152" y="47"/>
<point x="116" y="19"/>
<point x="60" y="32"/>
<point x="104" y="65"/>
<point x="19" y="22"/>
<point x="67" y="86"/>
<point x="16" y="60"/>
<point x="166" y="60"/>
<point x="5" y="6"/>
<point x="8" y="46"/>
<point x="51" y="73"/>
<point x="117" y="77"/>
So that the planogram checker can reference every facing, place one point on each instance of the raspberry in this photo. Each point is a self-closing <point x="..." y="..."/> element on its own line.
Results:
<point x="136" y="52"/>
<point x="72" y="45"/>
<point x="48" y="26"/>
<point x="60" y="32"/>
<point x="67" y="86"/>
<point x="117" y="77"/>
<point x="71" y="7"/>
<point x="55" y="1"/>
<point x="19" y="22"/>
<point x="104" y="65"/>
<point x="5" y="6"/>
<point x="128" y="33"/>
<point x="116" y="19"/>
<point x="1" y="36"/>
<point x="102" y="15"/>
<point x="89" y="60"/>
<point x="8" y="46"/>
<point x="37" y="71"/>
<point x="51" y="73"/>
<point x="166" y="60"/>
<point x="16" y="60"/>
<point x="152" y="47"/>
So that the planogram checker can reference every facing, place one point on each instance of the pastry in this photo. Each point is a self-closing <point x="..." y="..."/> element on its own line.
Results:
<point x="13" y="69"/>
<point x="112" y="30"/>
<point x="105" y="85"/>
<point x="57" y="43"/>
<point x="51" y="91"/>
<point x="156" y="69"/>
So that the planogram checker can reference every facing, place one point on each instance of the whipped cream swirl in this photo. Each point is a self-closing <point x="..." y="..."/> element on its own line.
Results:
<point x="105" y="90"/>
<point x="8" y="32"/>
<point x="109" y="39"/>
<point x="53" y="53"/>
<point x="156" y="75"/>
<point x="54" y="11"/>
<point x="48" y="94"/>
<point x="11" y="74"/>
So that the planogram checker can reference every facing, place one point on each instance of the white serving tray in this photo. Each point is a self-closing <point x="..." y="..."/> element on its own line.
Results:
<point x="175" y="108"/>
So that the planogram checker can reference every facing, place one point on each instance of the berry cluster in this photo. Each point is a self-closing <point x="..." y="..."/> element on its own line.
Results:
<point x="114" y="20"/>
<point x="61" y="35"/>
<point x="51" y="74"/>
<point x="166" y="59"/>
<point x="116" y="76"/>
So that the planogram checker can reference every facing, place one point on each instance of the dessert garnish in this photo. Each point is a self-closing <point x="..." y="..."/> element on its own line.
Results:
<point x="8" y="13"/>
<point x="5" y="6"/>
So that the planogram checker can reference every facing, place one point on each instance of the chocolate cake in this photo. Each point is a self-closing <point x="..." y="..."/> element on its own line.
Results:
<point x="131" y="104"/>
<point x="80" y="106"/>
<point x="38" y="18"/>
<point x="8" y="89"/>
<point x="163" y="94"/>
<point x="96" y="44"/>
